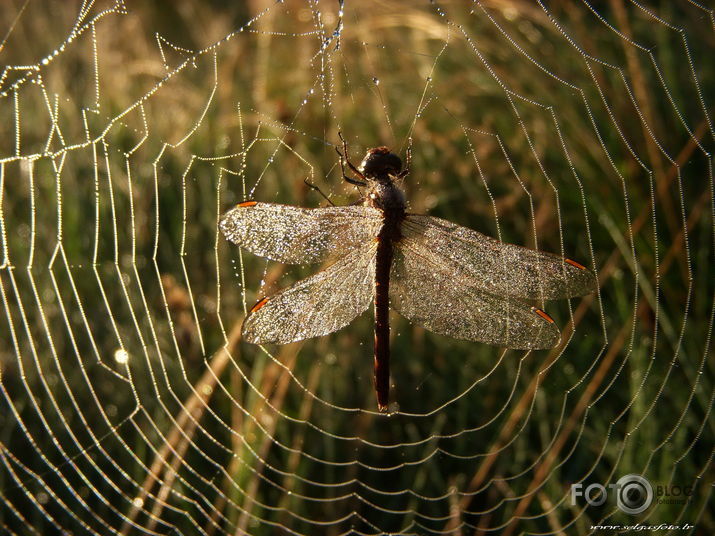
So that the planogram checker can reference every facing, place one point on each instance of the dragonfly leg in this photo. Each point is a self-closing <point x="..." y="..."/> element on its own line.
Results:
<point x="317" y="189"/>
<point x="408" y="161"/>
<point x="344" y="158"/>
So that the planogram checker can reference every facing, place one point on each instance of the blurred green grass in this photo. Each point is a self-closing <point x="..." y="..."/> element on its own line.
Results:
<point x="484" y="158"/>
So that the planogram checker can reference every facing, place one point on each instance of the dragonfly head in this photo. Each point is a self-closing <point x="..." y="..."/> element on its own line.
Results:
<point x="379" y="163"/>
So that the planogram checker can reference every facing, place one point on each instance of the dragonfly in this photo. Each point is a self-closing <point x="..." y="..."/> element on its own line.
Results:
<point x="449" y="279"/>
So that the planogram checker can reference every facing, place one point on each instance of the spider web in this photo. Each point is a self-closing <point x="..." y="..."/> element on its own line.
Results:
<point x="130" y="405"/>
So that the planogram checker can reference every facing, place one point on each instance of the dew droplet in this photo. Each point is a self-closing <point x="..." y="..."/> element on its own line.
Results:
<point x="121" y="356"/>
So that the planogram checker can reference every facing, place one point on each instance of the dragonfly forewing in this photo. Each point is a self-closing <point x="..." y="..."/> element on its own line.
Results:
<point x="317" y="305"/>
<point x="440" y="295"/>
<point x="295" y="235"/>
<point x="500" y="268"/>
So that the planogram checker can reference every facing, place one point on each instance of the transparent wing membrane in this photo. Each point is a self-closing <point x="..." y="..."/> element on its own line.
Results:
<point x="317" y="305"/>
<point x="439" y="294"/>
<point x="295" y="235"/>
<point x="497" y="267"/>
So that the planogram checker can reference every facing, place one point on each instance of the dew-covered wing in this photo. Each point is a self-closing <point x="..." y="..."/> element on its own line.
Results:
<point x="497" y="267"/>
<point x="438" y="294"/>
<point x="317" y="305"/>
<point x="295" y="235"/>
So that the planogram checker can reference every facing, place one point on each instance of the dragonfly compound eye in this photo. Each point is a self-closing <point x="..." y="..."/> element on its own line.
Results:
<point x="380" y="162"/>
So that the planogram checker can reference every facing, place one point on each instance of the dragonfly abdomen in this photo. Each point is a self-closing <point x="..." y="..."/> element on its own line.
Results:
<point x="386" y="238"/>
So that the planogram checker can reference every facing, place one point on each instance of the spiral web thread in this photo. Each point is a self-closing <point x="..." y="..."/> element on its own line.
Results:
<point x="130" y="404"/>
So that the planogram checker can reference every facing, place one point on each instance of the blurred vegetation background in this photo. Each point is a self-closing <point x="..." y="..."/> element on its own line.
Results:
<point x="130" y="404"/>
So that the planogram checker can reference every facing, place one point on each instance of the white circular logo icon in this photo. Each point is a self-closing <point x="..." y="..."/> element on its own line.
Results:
<point x="634" y="494"/>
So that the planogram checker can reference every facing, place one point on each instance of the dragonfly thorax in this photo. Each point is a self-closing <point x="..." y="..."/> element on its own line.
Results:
<point x="385" y="195"/>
